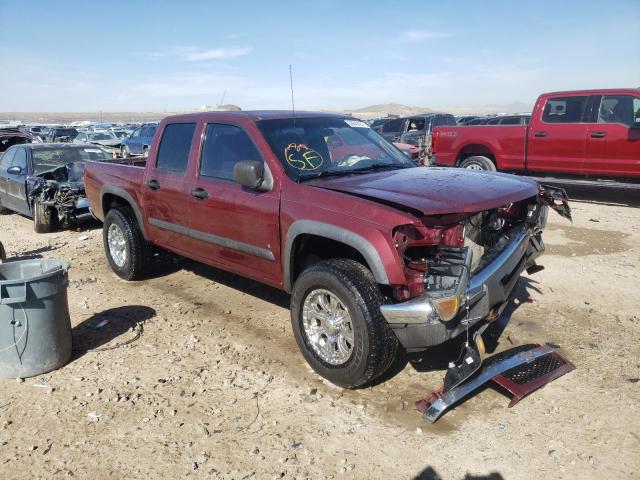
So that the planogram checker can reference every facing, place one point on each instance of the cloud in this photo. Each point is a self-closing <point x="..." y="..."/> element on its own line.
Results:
<point x="198" y="54"/>
<point x="417" y="36"/>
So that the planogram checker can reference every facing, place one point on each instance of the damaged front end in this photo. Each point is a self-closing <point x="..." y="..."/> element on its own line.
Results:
<point x="61" y="190"/>
<point x="463" y="268"/>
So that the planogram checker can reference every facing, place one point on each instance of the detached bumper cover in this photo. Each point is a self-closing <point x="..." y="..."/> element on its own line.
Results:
<point x="415" y="321"/>
<point x="521" y="373"/>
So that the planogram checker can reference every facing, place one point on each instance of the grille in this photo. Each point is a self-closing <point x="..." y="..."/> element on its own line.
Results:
<point x="530" y="371"/>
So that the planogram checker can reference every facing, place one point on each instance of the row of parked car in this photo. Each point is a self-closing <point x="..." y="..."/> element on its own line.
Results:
<point x="120" y="140"/>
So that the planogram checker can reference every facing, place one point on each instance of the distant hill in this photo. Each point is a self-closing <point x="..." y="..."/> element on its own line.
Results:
<point x="384" y="109"/>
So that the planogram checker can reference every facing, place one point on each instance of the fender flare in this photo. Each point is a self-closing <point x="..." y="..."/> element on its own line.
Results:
<point x="488" y="145"/>
<point x="313" y="227"/>
<point x="120" y="192"/>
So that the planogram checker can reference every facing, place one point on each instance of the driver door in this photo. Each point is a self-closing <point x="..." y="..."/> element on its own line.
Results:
<point x="17" y="183"/>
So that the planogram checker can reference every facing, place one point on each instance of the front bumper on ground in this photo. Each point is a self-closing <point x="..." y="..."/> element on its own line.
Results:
<point x="415" y="321"/>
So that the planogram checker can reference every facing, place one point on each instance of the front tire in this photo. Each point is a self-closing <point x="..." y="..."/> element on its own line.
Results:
<point x="124" y="152"/>
<point x="128" y="253"/>
<point x="336" y="321"/>
<point x="45" y="219"/>
<point x="478" y="163"/>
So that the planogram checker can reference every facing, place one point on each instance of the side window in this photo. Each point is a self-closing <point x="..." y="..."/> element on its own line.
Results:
<point x="173" y="153"/>
<point x="416" y="124"/>
<point x="510" y="121"/>
<point x="7" y="158"/>
<point x="151" y="131"/>
<point x="20" y="159"/>
<point x="564" y="109"/>
<point x="618" y="109"/>
<point x="136" y="132"/>
<point x="493" y="121"/>
<point x="224" y="146"/>
<point x="393" y="125"/>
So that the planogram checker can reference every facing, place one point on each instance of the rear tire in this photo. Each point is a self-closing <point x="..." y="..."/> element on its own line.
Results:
<point x="145" y="152"/>
<point x="128" y="253"/>
<point x="45" y="219"/>
<point x="478" y="163"/>
<point x="366" y="348"/>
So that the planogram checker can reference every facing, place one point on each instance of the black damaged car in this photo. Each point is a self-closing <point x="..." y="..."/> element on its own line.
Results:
<point x="44" y="181"/>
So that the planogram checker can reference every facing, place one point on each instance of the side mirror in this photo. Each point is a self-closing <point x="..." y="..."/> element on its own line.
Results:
<point x="249" y="173"/>
<point x="15" y="170"/>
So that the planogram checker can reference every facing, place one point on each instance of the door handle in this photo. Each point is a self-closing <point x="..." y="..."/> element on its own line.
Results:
<point x="153" y="184"/>
<point x="540" y="134"/>
<point x="199" y="193"/>
<point x="598" y="134"/>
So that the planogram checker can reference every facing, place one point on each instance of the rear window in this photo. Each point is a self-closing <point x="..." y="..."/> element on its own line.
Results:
<point x="443" y="120"/>
<point x="393" y="125"/>
<point x="173" y="153"/>
<point x="65" y="132"/>
<point x="564" y="109"/>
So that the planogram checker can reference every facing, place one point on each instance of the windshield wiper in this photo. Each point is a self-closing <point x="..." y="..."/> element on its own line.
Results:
<point x="375" y="166"/>
<point x="324" y="173"/>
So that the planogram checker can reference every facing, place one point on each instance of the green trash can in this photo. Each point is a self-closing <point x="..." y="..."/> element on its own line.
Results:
<point x="35" y="328"/>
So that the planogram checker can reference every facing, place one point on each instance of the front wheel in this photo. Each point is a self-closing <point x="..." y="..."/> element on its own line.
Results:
<point x="336" y="321"/>
<point x="128" y="253"/>
<point x="45" y="219"/>
<point x="478" y="163"/>
<point x="124" y="151"/>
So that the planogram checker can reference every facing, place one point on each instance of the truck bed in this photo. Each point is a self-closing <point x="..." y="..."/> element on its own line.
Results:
<point x="113" y="177"/>
<point x="452" y="144"/>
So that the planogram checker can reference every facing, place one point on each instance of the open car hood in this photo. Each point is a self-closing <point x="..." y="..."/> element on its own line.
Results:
<point x="434" y="191"/>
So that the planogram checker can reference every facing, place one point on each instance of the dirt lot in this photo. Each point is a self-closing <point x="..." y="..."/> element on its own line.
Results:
<point x="215" y="387"/>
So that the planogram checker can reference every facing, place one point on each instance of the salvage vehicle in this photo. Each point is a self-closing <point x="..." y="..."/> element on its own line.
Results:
<point x="578" y="137"/>
<point x="415" y="130"/>
<point x="45" y="181"/>
<point x="375" y="251"/>
<point x="139" y="141"/>
<point x="106" y="139"/>
<point x="58" y="134"/>
<point x="13" y="136"/>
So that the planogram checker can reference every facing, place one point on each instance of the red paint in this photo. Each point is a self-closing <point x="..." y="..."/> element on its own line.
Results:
<point x="566" y="148"/>
<point x="373" y="206"/>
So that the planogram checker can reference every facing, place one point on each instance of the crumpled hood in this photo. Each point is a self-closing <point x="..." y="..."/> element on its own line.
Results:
<point x="434" y="191"/>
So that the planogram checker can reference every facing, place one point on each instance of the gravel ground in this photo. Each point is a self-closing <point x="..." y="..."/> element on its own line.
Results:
<point x="214" y="386"/>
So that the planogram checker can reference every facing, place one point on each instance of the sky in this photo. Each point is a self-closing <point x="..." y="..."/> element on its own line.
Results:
<point x="179" y="55"/>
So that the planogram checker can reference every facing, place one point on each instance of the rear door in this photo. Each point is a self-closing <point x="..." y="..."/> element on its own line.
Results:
<point x="557" y="137"/>
<point x="166" y="191"/>
<point x="17" y="183"/>
<point x="614" y="137"/>
<point x="235" y="227"/>
<point x="134" y="143"/>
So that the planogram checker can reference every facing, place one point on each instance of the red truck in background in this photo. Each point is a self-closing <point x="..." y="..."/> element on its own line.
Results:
<point x="587" y="133"/>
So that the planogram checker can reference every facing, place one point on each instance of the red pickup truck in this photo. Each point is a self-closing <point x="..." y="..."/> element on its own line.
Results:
<point x="587" y="133"/>
<point x="374" y="250"/>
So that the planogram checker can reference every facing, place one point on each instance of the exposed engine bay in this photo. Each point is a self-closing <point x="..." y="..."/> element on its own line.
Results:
<point x="462" y="268"/>
<point x="61" y="189"/>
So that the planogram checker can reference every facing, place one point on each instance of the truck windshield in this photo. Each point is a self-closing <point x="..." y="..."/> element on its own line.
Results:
<point x="313" y="147"/>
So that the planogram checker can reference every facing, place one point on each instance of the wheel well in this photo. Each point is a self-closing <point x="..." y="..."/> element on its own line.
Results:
<point x="309" y="249"/>
<point x="473" y="150"/>
<point x="110" y="201"/>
